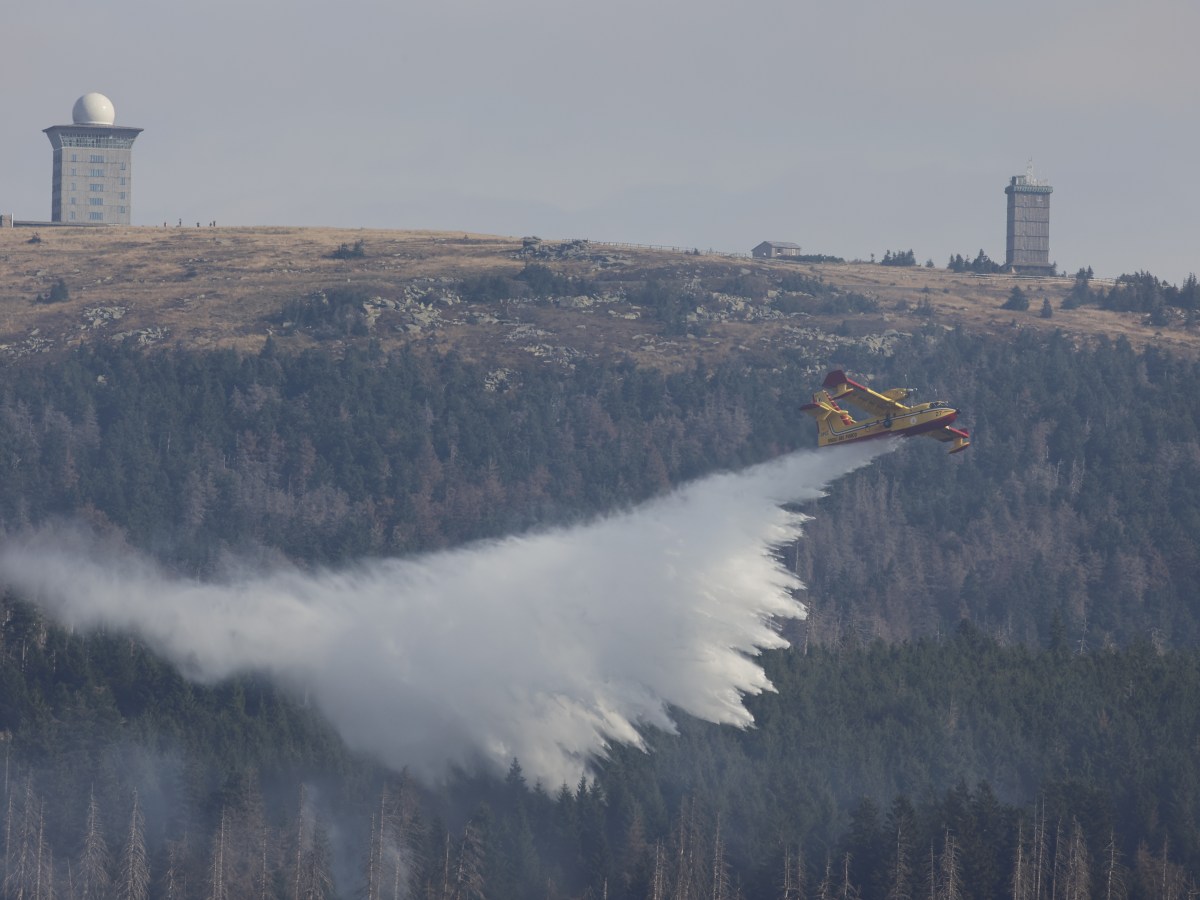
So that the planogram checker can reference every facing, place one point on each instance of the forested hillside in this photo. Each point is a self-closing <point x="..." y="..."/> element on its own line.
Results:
<point x="1077" y="499"/>
<point x="874" y="770"/>
<point x="997" y="693"/>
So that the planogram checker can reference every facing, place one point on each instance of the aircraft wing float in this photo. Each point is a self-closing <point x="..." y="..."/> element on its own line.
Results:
<point x="888" y="415"/>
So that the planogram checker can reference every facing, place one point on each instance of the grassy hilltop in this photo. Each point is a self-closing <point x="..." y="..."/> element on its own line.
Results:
<point x="485" y="296"/>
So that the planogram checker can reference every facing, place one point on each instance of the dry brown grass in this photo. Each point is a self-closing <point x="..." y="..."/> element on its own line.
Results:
<point x="974" y="303"/>
<point x="206" y="286"/>
<point x="225" y="287"/>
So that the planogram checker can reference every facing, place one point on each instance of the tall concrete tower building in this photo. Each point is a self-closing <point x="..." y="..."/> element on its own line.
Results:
<point x="93" y="165"/>
<point x="1028" y="244"/>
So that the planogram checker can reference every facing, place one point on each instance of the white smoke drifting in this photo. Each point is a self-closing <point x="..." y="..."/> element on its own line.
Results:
<point x="544" y="647"/>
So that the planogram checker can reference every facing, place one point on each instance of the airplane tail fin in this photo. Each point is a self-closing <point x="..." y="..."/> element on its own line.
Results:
<point x="830" y="417"/>
<point x="836" y="383"/>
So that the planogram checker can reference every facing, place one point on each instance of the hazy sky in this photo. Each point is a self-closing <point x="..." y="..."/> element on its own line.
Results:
<point x="848" y="127"/>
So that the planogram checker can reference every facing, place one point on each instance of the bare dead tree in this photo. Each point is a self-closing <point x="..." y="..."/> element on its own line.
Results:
<point x="175" y="877"/>
<point x="1114" y="872"/>
<point x="825" y="888"/>
<point x="949" y="879"/>
<point x="1058" y="863"/>
<point x="21" y="879"/>
<point x="217" y="888"/>
<point x="392" y="854"/>
<point x="792" y="887"/>
<point x="658" y="875"/>
<point x="901" y="875"/>
<point x="1174" y="881"/>
<point x="263" y="878"/>
<point x="1160" y="878"/>
<point x="313" y="878"/>
<point x="250" y="845"/>
<point x="468" y="873"/>
<point x="133" y="879"/>
<point x="444" y="893"/>
<point x="319" y="874"/>
<point x="93" y="863"/>
<point x="720" y="886"/>
<point x="302" y="838"/>
<point x="1020" y="875"/>
<point x="1039" y="852"/>
<point x="1078" y="882"/>
<point x="848" y="890"/>
<point x="689" y="874"/>
<point x="8" y="830"/>
<point x="374" y="852"/>
<point x="43" y="887"/>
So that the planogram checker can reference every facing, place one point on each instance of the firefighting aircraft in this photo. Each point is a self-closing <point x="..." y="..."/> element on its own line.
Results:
<point x="889" y="415"/>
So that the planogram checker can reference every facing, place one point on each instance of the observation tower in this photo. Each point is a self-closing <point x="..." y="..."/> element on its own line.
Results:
<point x="1027" y="249"/>
<point x="93" y="165"/>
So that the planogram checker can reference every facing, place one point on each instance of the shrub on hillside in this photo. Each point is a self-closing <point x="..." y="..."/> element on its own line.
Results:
<point x="58" y="293"/>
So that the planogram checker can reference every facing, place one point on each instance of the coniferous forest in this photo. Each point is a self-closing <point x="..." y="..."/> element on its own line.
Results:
<point x="996" y="694"/>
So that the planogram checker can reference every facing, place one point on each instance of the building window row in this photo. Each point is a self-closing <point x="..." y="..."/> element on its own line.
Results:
<point x="89" y="140"/>
<point x="96" y="217"/>
<point x="95" y="187"/>
<point x="95" y="201"/>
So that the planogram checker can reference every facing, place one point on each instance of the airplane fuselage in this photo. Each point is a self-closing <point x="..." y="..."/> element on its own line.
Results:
<point x="908" y="423"/>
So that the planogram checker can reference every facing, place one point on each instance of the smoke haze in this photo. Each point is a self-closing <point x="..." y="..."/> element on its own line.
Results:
<point x="546" y="647"/>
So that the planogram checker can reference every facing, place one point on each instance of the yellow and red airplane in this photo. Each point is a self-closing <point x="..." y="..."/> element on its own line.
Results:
<point x="889" y="416"/>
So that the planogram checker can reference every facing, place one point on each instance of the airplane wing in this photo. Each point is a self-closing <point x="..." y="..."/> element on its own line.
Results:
<point x="961" y="438"/>
<point x="871" y="402"/>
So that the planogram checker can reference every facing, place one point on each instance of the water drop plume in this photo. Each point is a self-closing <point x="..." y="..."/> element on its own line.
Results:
<point x="546" y="647"/>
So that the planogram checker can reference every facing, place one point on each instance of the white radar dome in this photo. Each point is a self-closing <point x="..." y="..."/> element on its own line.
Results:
<point x="93" y="109"/>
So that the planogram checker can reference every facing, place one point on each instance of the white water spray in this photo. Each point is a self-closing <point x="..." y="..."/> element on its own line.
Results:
<point x="545" y="647"/>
